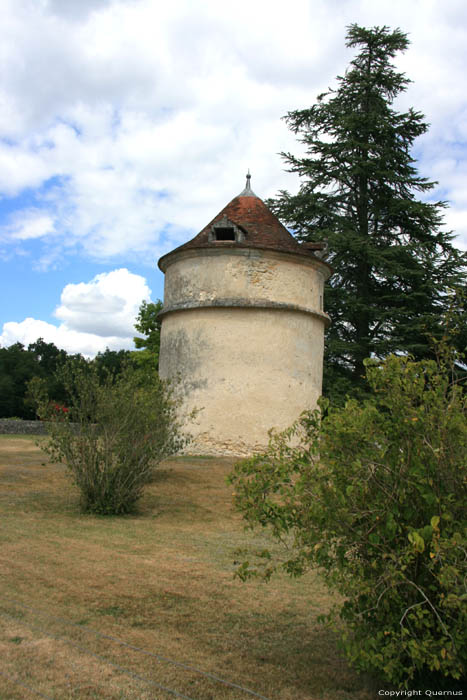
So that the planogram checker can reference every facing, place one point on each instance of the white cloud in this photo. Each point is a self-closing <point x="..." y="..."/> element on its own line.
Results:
<point x="72" y="9"/>
<point x="93" y="315"/>
<point x="31" y="224"/>
<point x="147" y="114"/>
<point x="106" y="306"/>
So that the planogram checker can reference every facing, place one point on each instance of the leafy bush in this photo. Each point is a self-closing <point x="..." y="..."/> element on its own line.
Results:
<point x="374" y="495"/>
<point x="112" y="434"/>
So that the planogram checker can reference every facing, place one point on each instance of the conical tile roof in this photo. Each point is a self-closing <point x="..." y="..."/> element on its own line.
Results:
<point x="259" y="228"/>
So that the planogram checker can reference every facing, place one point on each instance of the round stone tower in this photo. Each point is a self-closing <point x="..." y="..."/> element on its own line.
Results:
<point x="243" y="327"/>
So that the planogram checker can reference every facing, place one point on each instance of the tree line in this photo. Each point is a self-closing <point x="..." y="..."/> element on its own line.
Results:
<point x="20" y="364"/>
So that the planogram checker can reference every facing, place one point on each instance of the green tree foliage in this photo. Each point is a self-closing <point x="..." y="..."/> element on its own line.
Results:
<point x="111" y="362"/>
<point x="112" y="434"/>
<point x="373" y="494"/>
<point x="48" y="359"/>
<point x="47" y="356"/>
<point x="393" y="263"/>
<point x="18" y="366"/>
<point x="149" y="325"/>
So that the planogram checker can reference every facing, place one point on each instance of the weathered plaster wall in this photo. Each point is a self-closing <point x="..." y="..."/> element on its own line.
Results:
<point x="248" y="353"/>
<point x="245" y="273"/>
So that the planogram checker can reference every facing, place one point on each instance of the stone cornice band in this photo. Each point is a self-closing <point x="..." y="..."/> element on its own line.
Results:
<point x="304" y="257"/>
<point x="242" y="303"/>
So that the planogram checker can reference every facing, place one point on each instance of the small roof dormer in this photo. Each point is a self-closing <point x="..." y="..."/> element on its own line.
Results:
<point x="226" y="231"/>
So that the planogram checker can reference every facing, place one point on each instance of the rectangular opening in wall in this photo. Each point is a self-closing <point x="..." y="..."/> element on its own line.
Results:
<point x="224" y="234"/>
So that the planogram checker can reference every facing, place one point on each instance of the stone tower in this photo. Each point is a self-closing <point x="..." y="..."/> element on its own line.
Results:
<point x="243" y="326"/>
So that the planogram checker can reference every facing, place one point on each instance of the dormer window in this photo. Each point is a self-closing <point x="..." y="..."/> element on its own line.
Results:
<point x="226" y="230"/>
<point x="224" y="234"/>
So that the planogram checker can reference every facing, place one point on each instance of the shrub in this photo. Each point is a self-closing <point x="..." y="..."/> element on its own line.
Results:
<point x="373" y="494"/>
<point x="112" y="435"/>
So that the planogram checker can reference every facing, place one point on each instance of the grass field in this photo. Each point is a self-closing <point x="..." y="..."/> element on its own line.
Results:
<point x="74" y="587"/>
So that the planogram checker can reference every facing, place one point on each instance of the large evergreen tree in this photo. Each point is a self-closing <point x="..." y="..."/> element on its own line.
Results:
<point x="394" y="266"/>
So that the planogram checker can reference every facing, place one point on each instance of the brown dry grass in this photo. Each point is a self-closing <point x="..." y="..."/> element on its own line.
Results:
<point x="162" y="581"/>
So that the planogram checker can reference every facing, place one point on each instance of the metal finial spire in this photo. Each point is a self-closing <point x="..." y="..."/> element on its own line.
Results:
<point x="247" y="192"/>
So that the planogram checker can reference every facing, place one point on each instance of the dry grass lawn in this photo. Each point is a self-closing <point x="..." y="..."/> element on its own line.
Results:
<point x="73" y="587"/>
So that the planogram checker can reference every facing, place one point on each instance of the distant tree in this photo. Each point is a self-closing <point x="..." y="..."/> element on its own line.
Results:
<point x="148" y="324"/>
<point x="48" y="359"/>
<point x="394" y="266"/>
<point x="47" y="355"/>
<point x="17" y="367"/>
<point x="111" y="362"/>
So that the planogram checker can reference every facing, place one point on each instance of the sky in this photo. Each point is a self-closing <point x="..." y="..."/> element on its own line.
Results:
<point x="127" y="125"/>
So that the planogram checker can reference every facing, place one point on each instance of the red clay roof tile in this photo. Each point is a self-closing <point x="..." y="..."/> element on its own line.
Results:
<point x="261" y="228"/>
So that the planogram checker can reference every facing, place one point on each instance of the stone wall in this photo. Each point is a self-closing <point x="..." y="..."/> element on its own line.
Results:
<point x="21" y="427"/>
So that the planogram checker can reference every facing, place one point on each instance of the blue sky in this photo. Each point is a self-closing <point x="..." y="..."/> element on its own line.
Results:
<point x="126" y="125"/>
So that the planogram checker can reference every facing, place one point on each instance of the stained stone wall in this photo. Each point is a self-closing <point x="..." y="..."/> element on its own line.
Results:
<point x="243" y="330"/>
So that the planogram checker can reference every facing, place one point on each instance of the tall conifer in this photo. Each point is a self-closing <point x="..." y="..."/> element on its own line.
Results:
<point x="394" y="266"/>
